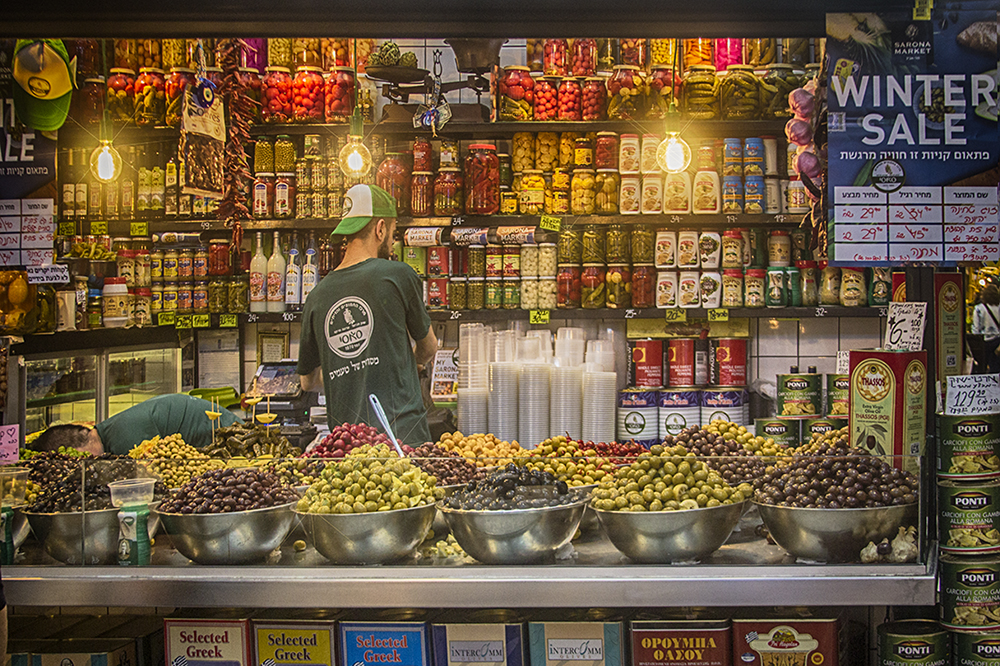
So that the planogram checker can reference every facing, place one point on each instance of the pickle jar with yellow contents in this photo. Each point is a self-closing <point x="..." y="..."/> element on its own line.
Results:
<point x="594" y="245"/>
<point x="476" y="293"/>
<point x="457" y="294"/>
<point x="618" y="279"/>
<point x="583" y="195"/>
<point x="643" y="242"/>
<point x="532" y="194"/>
<point x="523" y="155"/>
<point x="607" y="183"/>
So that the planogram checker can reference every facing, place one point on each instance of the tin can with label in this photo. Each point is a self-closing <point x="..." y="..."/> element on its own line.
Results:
<point x="968" y="446"/>
<point x="726" y="403"/>
<point x="975" y="649"/>
<point x="799" y="395"/>
<point x="437" y="293"/>
<point x="819" y="425"/>
<point x="680" y="362"/>
<point x="969" y="517"/>
<point x="638" y="417"/>
<point x="666" y="289"/>
<point x="913" y="643"/>
<point x="732" y="157"/>
<point x="437" y="261"/>
<point x="727" y="361"/>
<point x="645" y="366"/>
<point x="416" y="258"/>
<point x="753" y="156"/>
<point x="784" y="432"/>
<point x="838" y="395"/>
<point x="753" y="195"/>
<point x="732" y="195"/>
<point x="970" y="592"/>
<point x="679" y="408"/>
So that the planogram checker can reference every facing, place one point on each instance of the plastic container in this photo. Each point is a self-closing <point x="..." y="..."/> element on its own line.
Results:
<point x="129" y="492"/>
<point x="115" y="302"/>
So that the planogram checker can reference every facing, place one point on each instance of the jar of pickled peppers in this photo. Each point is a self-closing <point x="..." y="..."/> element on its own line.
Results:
<point x="121" y="95"/>
<point x="643" y="242"/>
<point x="570" y="246"/>
<point x="516" y="94"/>
<point x="448" y="192"/>
<point x="422" y="194"/>
<point x="643" y="285"/>
<point x="150" y="97"/>
<point x="177" y="82"/>
<point x="482" y="176"/>
<point x="568" y="286"/>
<point x="394" y="177"/>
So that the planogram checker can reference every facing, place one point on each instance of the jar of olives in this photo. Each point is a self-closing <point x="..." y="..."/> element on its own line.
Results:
<point x="448" y="192"/>
<point x="148" y="53"/>
<point x="482" y="173"/>
<point x="571" y="245"/>
<point x="279" y="52"/>
<point x="476" y="293"/>
<point x="568" y="286"/>
<point x="661" y="52"/>
<point x="592" y="289"/>
<point x="643" y="243"/>
<point x="284" y="153"/>
<point x="254" y="89"/>
<point x="177" y="82"/>
<point x="121" y="95"/>
<point x="476" y="260"/>
<point x="583" y="194"/>
<point x="494" y="293"/>
<point x="531" y="197"/>
<point x="618" y="281"/>
<point x="336" y="52"/>
<point x="394" y="177"/>
<point x="150" y="97"/>
<point x="457" y="293"/>
<point x="516" y="94"/>
<point x="739" y="93"/>
<point x="277" y="108"/>
<point x="554" y="59"/>
<point x="421" y="194"/>
<point x="307" y="95"/>
<point x="701" y="93"/>
<point x="263" y="155"/>
<point x="595" y="95"/>
<point x="306" y="52"/>
<point x="625" y="90"/>
<point x="607" y="183"/>
<point x="618" y="248"/>
<point x="593" y="245"/>
<point x="339" y="95"/>
<point x="570" y="99"/>
<point x="643" y="285"/>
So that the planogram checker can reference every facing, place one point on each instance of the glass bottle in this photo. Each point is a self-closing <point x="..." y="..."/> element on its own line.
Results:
<point x="293" y="275"/>
<point x="276" y="277"/>
<point x="258" y="273"/>
<point x="310" y="267"/>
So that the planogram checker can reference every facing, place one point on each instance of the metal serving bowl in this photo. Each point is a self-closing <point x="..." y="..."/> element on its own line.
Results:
<point x="21" y="527"/>
<point x="832" y="535"/>
<point x="78" y="537"/>
<point x="240" y="537"/>
<point x="670" y="536"/>
<point x="368" y="538"/>
<point x="517" y="536"/>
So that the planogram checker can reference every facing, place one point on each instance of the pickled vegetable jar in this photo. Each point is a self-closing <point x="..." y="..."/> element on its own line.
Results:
<point x="277" y="104"/>
<point x="494" y="293"/>
<point x="697" y="52"/>
<point x="643" y="243"/>
<point x="336" y="52"/>
<point x="555" y="60"/>
<point x="778" y="81"/>
<point x="545" y="95"/>
<point x="546" y="150"/>
<point x="568" y="286"/>
<point x="643" y="285"/>
<point x="584" y="62"/>
<point x="524" y="152"/>
<point x="547" y="299"/>
<point x="253" y="53"/>
<point x="254" y="89"/>
<point x="394" y="177"/>
<point x="279" y="52"/>
<point x="339" y="95"/>
<point x="618" y="249"/>
<point x="583" y="193"/>
<point x="618" y="281"/>
<point x="570" y="248"/>
<point x="531" y="197"/>
<point x="592" y="289"/>
<point x="307" y="95"/>
<point x="150" y="97"/>
<point x="661" y="52"/>
<point x="632" y="52"/>
<point x="476" y="261"/>
<point x="196" y="50"/>
<point x="423" y="154"/>
<point x="529" y="293"/>
<point x="595" y="96"/>
<point x="593" y="245"/>
<point x="126" y="56"/>
<point x="728" y="51"/>
<point x="761" y="51"/>
<point x="482" y="174"/>
<point x="174" y="53"/>
<point x="607" y="184"/>
<point x="422" y="194"/>
<point x="457" y="293"/>
<point x="148" y="53"/>
<point x="448" y="194"/>
<point x="547" y="260"/>
<point x="606" y="151"/>
<point x="701" y="93"/>
<point x="177" y="82"/>
<point x="284" y="153"/>
<point x="739" y="93"/>
<point x="533" y="52"/>
<point x="567" y="148"/>
<point x="625" y="90"/>
<point x="662" y="87"/>
<point x="570" y="99"/>
<point x="795" y="50"/>
<point x="306" y="52"/>
<point x="88" y="103"/>
<point x="121" y="95"/>
<point x="517" y="99"/>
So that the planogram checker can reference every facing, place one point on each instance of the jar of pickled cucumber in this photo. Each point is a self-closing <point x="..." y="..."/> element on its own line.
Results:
<point x="594" y="245"/>
<point x="583" y="193"/>
<point x="592" y="288"/>
<point x="701" y="93"/>
<point x="739" y="93"/>
<point x="239" y="294"/>
<point x="618" y="285"/>
<point x="761" y="51"/>
<point x="448" y="192"/>
<point x="279" y="52"/>
<point x="618" y="249"/>
<point x="626" y="93"/>
<point x="457" y="293"/>
<point x="570" y="247"/>
<point x="643" y="243"/>
<point x="150" y="97"/>
<point x="121" y="95"/>
<point x="284" y="153"/>
<point x="779" y="80"/>
<point x="607" y="183"/>
<point x="516" y="94"/>
<point x="531" y="197"/>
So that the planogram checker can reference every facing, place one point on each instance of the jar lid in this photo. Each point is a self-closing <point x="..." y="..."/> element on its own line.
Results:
<point x="517" y="68"/>
<point x="606" y="133"/>
<point x="422" y="173"/>
<point x="756" y="272"/>
<point x="644" y="265"/>
<point x="779" y="232"/>
<point x="583" y="171"/>
<point x="478" y="246"/>
<point x="153" y="70"/>
<point x="528" y="278"/>
<point x="342" y="68"/>
<point x="702" y="68"/>
<point x="95" y="79"/>
<point x="285" y="174"/>
<point x="183" y="70"/>
<point x="113" y="281"/>
<point x="627" y="67"/>
<point x="618" y="265"/>
<point x="805" y="263"/>
<point x="493" y="279"/>
<point x="123" y="70"/>
<point x="503" y="155"/>
<point x="285" y="136"/>
<point x="250" y="70"/>
<point x="568" y="265"/>
<point x="482" y="146"/>
<point x="629" y="136"/>
<point x="733" y="272"/>
<point x="532" y="171"/>
<point x="529" y="244"/>
<point x="451" y="169"/>
<point x="606" y="170"/>
<point x="779" y="65"/>
<point x="740" y="68"/>
<point x="598" y="265"/>
<point x="309" y="68"/>
<point x="599" y="79"/>
<point x="284" y="70"/>
<point x="732" y="233"/>
<point x="265" y="174"/>
<point x="144" y="292"/>
<point x="479" y="279"/>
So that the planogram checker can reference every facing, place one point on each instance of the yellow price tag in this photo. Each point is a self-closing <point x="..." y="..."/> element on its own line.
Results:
<point x="227" y="321"/>
<point x="201" y="321"/>
<point x="675" y="314"/>
<point x="183" y="321"/>
<point x="67" y="228"/>
<point x="97" y="228"/>
<point x="166" y="319"/>
<point x="550" y="223"/>
<point x="718" y="314"/>
<point x="138" y="229"/>
<point x="539" y="316"/>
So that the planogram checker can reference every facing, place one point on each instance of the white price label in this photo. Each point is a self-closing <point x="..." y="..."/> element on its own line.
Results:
<point x="972" y="395"/>
<point x="905" y="327"/>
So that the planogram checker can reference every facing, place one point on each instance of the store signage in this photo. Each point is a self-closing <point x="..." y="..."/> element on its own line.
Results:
<point x="538" y="316"/>
<point x="675" y="314"/>
<point x="27" y="232"/>
<point x="970" y="395"/>
<point x="10" y="438"/>
<point x="905" y="328"/>
<point x="52" y="274"/>
<point x="913" y="145"/>
<point x="444" y="375"/>
<point x="550" y="223"/>
<point x="718" y="314"/>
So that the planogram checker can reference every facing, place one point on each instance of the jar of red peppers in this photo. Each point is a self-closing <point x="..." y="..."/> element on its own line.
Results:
<point x="219" y="262"/>
<point x="150" y="98"/>
<point x="606" y="151"/>
<point x="516" y="94"/>
<point x="570" y="99"/>
<point x="595" y="95"/>
<point x="88" y="103"/>
<point x="482" y="173"/>
<point x="121" y="95"/>
<point x="423" y="154"/>
<point x="177" y="82"/>
<point x="584" y="61"/>
<point x="448" y="192"/>
<point x="643" y="285"/>
<point x="394" y="177"/>
<point x="554" y="59"/>
<point x="277" y="104"/>
<point x="340" y="95"/>
<point x="568" y="286"/>
<point x="307" y="95"/>
<point x="422" y="194"/>
<point x="625" y="93"/>
<point x="632" y="52"/>
<point x="546" y="98"/>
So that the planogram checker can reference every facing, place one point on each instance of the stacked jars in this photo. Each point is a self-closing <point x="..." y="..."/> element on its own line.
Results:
<point x="482" y="180"/>
<point x="308" y="94"/>
<point x="277" y="103"/>
<point x="339" y="95"/>
<point x="394" y="177"/>
<point x="516" y="94"/>
<point x="120" y="102"/>
<point x="177" y="82"/>
<point x="150" y="97"/>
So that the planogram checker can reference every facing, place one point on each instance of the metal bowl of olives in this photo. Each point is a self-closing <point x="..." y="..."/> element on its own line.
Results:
<point x="239" y="537"/>
<point x="78" y="537"/>
<point x="368" y="538"/>
<point x="516" y="536"/>
<point x="21" y="528"/>
<point x="832" y="535"/>
<point x="659" y="537"/>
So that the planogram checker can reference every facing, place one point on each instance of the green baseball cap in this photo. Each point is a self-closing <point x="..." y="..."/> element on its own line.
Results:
<point x="362" y="204"/>
<point x="45" y="77"/>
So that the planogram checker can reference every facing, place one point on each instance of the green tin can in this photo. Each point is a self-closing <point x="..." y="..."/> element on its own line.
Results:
<point x="970" y="592"/>
<point x="975" y="649"/>
<point x="793" y="285"/>
<point x="968" y="446"/>
<point x="913" y="643"/>
<point x="969" y="517"/>
<point x="784" y="432"/>
<point x="820" y="425"/>
<point x="879" y="285"/>
<point x="799" y="394"/>
<point x="838" y="395"/>
<point x="416" y="258"/>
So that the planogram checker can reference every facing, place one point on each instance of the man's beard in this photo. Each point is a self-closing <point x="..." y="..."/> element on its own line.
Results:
<point x="385" y="249"/>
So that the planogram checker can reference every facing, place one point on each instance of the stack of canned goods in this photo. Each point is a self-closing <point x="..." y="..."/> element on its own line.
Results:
<point x="801" y="406"/>
<point x="289" y="184"/>
<point x="190" y="278"/>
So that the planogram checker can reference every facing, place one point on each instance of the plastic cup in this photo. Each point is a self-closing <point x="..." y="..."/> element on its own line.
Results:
<point x="13" y="485"/>
<point x="131" y="492"/>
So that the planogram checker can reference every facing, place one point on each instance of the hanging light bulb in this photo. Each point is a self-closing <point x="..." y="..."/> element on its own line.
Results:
<point x="673" y="154"/>
<point x="355" y="158"/>
<point x="105" y="162"/>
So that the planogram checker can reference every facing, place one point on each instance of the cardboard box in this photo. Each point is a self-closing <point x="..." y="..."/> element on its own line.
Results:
<point x="207" y="642"/>
<point x="294" y="642"/>
<point x="786" y="642"/>
<point x="384" y="644"/>
<point x="72" y="652"/>
<point x="888" y="409"/>
<point x="479" y="644"/>
<point x="681" y="643"/>
<point x="583" y="643"/>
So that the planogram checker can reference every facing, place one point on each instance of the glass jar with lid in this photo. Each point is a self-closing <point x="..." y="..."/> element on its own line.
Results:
<point x="174" y="52"/>
<point x="779" y="80"/>
<point x="284" y="153"/>
<point x="279" y="52"/>
<point x="632" y="51"/>
<point x="278" y="95"/>
<point x="595" y="95"/>
<point x="516" y="94"/>
<point x="594" y="245"/>
<point x="482" y="177"/>
<point x="661" y="52"/>
<point x="570" y="246"/>
<point x="697" y="51"/>
<point x="121" y="95"/>
<point x="570" y="97"/>
<point x="529" y="293"/>
<point x="761" y="51"/>
<point x="476" y="293"/>
<point x="584" y="58"/>
<point x="643" y="286"/>
<point x="739" y="93"/>
<point x="150" y="98"/>
<point x="662" y="85"/>
<point x="618" y="285"/>
<point x="448" y="192"/>
<point x="625" y="93"/>
<point x="263" y="155"/>
<point x="199" y="50"/>
<point x="583" y="193"/>
<point x="457" y="293"/>
<point x="88" y="103"/>
<point x="148" y="53"/>
<point x="643" y="243"/>
<point x="177" y="82"/>
<point x="423" y="154"/>
<point x="306" y="52"/>
<point x="339" y="94"/>
<point x="307" y="95"/>
<point x="606" y="151"/>
<point x="701" y="93"/>
<point x="422" y="194"/>
<point x="531" y="197"/>
<point x="607" y="184"/>
<point x="394" y="177"/>
<point x="554" y="61"/>
<point x="592" y="287"/>
<point x="583" y="153"/>
<point x="254" y="89"/>
<point x="336" y="52"/>
<point x="126" y="56"/>
<point x="618" y="249"/>
<point x="546" y="93"/>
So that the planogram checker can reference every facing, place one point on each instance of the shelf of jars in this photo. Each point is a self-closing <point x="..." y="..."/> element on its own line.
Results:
<point x="665" y="314"/>
<point x="548" y="222"/>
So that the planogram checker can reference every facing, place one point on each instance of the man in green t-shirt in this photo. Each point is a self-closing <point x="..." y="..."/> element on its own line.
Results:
<point x="358" y="321"/>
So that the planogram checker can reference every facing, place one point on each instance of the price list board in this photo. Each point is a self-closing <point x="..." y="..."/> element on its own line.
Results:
<point x="915" y="224"/>
<point x="27" y="232"/>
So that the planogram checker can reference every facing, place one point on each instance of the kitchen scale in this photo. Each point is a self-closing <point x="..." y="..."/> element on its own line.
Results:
<point x="289" y="404"/>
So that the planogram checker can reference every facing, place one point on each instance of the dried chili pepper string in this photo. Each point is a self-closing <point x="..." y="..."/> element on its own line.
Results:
<point x="233" y="207"/>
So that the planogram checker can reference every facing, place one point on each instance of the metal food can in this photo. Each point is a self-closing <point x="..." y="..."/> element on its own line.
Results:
<point x="679" y="408"/>
<point x="753" y="156"/>
<point x="913" y="643"/>
<point x="416" y="258"/>
<point x="970" y="592"/>
<point x="753" y="195"/>
<point x="799" y="395"/>
<point x="775" y="294"/>
<point x="727" y="361"/>
<point x="838" y="395"/>
<point x="645" y="365"/>
<point x="726" y="403"/>
<point x="818" y="425"/>
<point x="638" y="417"/>
<point x="975" y="649"/>
<point x="968" y="446"/>
<point x="784" y="432"/>
<point x="680" y="362"/>
<point x="437" y="293"/>
<point x="437" y="260"/>
<point x="969" y="517"/>
<point x="732" y="157"/>
<point x="732" y="195"/>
